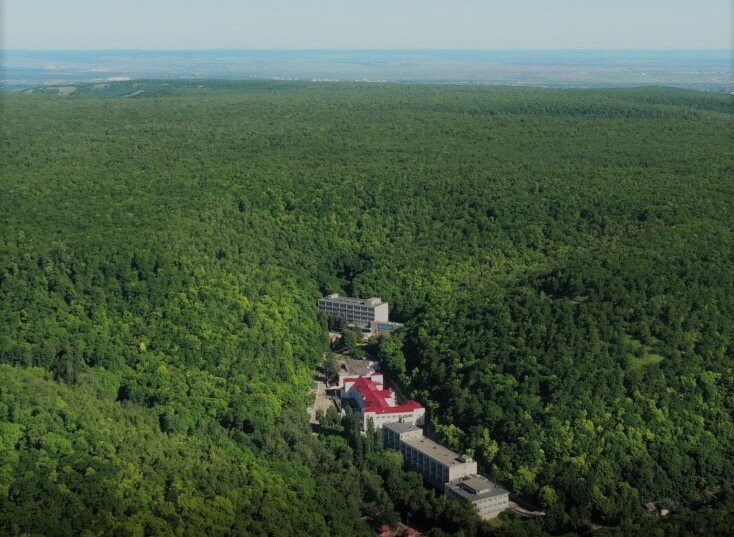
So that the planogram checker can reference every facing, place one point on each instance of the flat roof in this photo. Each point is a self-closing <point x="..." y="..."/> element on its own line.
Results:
<point x="436" y="451"/>
<point x="484" y="487"/>
<point x="400" y="427"/>
<point x="373" y="301"/>
<point x="359" y="368"/>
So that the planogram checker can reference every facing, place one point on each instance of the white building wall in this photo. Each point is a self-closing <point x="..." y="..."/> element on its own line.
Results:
<point x="381" y="313"/>
<point x="355" y="312"/>
<point x="378" y="420"/>
<point x="491" y="507"/>
<point x="462" y="470"/>
<point x="486" y="507"/>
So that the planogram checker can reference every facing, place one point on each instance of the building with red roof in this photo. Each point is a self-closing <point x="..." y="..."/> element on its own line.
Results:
<point x="379" y="404"/>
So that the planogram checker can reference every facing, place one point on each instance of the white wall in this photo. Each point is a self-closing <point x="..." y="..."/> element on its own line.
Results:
<point x="382" y="312"/>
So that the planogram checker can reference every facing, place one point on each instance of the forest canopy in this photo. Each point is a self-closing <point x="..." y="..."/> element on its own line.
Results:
<point x="562" y="260"/>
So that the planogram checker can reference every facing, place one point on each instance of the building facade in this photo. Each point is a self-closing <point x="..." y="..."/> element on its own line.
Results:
<point x="379" y="405"/>
<point x="360" y="312"/>
<point x="455" y="475"/>
<point x="489" y="498"/>
<point x="437" y="464"/>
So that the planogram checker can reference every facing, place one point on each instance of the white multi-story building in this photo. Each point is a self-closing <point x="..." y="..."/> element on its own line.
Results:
<point x="445" y="470"/>
<point x="437" y="464"/>
<point x="361" y="312"/>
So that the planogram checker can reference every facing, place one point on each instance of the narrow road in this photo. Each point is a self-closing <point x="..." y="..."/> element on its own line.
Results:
<point x="524" y="510"/>
<point x="321" y="400"/>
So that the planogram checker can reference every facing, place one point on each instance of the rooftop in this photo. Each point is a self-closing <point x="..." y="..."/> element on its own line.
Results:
<point x="359" y="368"/>
<point x="475" y="487"/>
<point x="436" y="451"/>
<point x="477" y="484"/>
<point x="400" y="427"/>
<point x="375" y="399"/>
<point x="374" y="301"/>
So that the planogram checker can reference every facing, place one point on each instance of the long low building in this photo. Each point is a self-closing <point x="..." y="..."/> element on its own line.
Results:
<point x="369" y="314"/>
<point x="378" y="404"/>
<point x="446" y="470"/>
<point x="437" y="464"/>
<point x="361" y="312"/>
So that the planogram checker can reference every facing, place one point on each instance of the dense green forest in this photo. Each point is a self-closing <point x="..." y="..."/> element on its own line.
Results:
<point x="563" y="260"/>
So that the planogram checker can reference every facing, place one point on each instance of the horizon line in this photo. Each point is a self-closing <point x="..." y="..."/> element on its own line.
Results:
<point x="257" y="49"/>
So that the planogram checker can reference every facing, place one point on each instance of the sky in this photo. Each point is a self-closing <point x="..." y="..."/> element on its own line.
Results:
<point x="366" y="24"/>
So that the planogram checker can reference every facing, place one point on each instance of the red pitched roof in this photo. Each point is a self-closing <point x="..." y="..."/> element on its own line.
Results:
<point x="375" y="400"/>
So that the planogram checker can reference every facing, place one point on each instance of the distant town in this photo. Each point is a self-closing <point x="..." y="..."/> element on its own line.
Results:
<point x="361" y="385"/>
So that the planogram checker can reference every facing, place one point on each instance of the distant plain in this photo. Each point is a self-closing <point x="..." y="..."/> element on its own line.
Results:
<point x="700" y="70"/>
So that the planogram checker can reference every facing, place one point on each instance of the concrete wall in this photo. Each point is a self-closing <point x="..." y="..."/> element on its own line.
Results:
<point x="382" y="313"/>
<point x="462" y="470"/>
<point x="378" y="420"/>
<point x="486" y="507"/>
<point x="431" y="470"/>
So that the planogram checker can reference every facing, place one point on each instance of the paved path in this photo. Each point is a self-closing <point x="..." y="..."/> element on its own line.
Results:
<point x="525" y="510"/>
<point x="321" y="400"/>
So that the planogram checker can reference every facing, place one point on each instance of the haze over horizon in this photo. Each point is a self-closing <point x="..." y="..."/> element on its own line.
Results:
<point x="377" y="25"/>
<point x="572" y="43"/>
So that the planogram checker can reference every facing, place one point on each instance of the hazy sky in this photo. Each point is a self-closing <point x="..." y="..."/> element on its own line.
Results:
<point x="462" y="24"/>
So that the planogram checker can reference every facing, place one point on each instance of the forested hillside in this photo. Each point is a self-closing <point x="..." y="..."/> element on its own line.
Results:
<point x="563" y="259"/>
